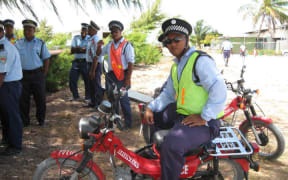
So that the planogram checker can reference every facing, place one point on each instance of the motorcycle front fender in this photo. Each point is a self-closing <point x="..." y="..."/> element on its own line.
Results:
<point x="77" y="157"/>
<point x="258" y="118"/>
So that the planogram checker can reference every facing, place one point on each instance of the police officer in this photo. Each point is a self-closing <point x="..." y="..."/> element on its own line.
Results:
<point x="120" y="65"/>
<point x="9" y="30"/>
<point x="200" y="93"/>
<point x="35" y="62"/>
<point x="79" y="65"/>
<point x="10" y="91"/>
<point x="94" y="69"/>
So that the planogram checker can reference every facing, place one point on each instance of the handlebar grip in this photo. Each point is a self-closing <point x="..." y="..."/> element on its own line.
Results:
<point x="119" y="124"/>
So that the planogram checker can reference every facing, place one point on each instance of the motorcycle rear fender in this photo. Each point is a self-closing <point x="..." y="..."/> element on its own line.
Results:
<point x="243" y="163"/>
<point x="258" y="118"/>
<point x="77" y="157"/>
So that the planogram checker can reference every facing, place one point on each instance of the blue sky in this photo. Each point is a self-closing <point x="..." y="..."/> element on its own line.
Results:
<point x="221" y="14"/>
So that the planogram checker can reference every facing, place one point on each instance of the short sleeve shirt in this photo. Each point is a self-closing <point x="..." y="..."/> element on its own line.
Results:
<point x="32" y="53"/>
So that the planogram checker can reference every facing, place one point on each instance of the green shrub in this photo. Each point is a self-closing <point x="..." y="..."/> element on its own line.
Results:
<point x="144" y="53"/>
<point x="268" y="52"/>
<point x="58" y="74"/>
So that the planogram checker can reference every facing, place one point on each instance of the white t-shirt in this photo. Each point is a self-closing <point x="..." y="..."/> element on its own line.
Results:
<point x="227" y="45"/>
<point x="242" y="47"/>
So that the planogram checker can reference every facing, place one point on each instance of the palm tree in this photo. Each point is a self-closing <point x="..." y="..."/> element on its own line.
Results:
<point x="150" y="19"/>
<point x="201" y="31"/>
<point x="272" y="12"/>
<point x="25" y="6"/>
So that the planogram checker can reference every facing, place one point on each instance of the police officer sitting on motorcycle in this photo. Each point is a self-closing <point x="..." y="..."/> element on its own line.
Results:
<point x="200" y="93"/>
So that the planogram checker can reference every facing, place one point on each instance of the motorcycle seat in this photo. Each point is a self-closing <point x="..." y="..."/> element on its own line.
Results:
<point x="158" y="139"/>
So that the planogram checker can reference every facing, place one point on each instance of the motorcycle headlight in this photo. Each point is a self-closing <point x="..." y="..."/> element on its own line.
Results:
<point x="105" y="107"/>
<point x="88" y="125"/>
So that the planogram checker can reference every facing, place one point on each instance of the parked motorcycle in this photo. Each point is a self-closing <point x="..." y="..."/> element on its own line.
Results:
<point x="226" y="157"/>
<point x="255" y="127"/>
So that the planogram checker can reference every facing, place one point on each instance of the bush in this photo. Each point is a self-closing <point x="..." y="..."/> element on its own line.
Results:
<point x="58" y="74"/>
<point x="144" y="52"/>
<point x="268" y="52"/>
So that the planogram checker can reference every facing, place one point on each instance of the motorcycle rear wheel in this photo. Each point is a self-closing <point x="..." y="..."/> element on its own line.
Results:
<point x="274" y="145"/>
<point x="49" y="169"/>
<point x="228" y="169"/>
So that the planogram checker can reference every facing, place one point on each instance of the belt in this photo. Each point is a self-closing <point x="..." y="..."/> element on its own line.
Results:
<point x="33" y="70"/>
<point x="11" y="82"/>
<point x="109" y="72"/>
<point x="80" y="60"/>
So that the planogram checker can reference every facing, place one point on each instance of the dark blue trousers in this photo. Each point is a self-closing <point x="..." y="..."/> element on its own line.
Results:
<point x="78" y="68"/>
<point x="179" y="141"/>
<point x="163" y="119"/>
<point x="34" y="83"/>
<point x="124" y="101"/>
<point x="96" y="92"/>
<point x="9" y="113"/>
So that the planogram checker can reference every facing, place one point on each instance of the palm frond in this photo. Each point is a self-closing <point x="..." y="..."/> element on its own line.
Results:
<point x="25" y="7"/>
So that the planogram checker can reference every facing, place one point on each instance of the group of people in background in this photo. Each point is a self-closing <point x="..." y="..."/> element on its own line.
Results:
<point x="23" y="67"/>
<point x="89" y="52"/>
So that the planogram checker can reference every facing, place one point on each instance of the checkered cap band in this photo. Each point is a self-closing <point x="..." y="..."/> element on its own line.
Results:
<point x="29" y="24"/>
<point x="9" y="23"/>
<point x="177" y="28"/>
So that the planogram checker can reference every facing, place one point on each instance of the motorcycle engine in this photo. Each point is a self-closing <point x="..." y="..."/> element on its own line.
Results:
<point x="122" y="173"/>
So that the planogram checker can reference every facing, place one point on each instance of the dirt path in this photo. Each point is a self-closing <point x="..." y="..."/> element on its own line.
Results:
<point x="269" y="74"/>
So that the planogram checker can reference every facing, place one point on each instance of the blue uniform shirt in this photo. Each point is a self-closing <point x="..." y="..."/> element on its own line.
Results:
<point x="32" y="53"/>
<point x="210" y="79"/>
<point x="91" y="48"/>
<point x="79" y="42"/>
<point x="128" y="56"/>
<point x="10" y="61"/>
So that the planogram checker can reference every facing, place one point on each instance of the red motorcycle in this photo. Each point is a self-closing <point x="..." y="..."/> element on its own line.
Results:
<point x="226" y="157"/>
<point x="255" y="128"/>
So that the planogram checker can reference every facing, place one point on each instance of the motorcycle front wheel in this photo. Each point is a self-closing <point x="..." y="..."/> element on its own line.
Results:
<point x="273" y="143"/>
<point x="228" y="169"/>
<point x="49" y="169"/>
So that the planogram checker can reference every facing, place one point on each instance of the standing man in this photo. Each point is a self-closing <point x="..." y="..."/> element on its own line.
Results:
<point x="35" y="62"/>
<point x="227" y="48"/>
<point x="79" y="65"/>
<point x="200" y="93"/>
<point x="94" y="69"/>
<point x="10" y="91"/>
<point x="243" y="50"/>
<point x="120" y="65"/>
<point x="9" y="30"/>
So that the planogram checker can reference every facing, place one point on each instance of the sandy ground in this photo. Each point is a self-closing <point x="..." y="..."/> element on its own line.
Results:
<point x="268" y="73"/>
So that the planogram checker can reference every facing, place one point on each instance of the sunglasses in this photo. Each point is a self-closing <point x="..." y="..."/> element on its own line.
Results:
<point x="176" y="40"/>
<point x="117" y="31"/>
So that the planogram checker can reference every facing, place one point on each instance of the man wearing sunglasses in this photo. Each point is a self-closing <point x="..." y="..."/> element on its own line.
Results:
<point x="94" y="69"/>
<point x="200" y="93"/>
<point x="120" y="65"/>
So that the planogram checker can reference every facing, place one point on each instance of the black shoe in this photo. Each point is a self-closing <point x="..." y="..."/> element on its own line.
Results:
<point x="42" y="124"/>
<point x="74" y="99"/>
<point x="3" y="143"/>
<point x="10" y="151"/>
<point x="88" y="105"/>
<point x="126" y="128"/>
